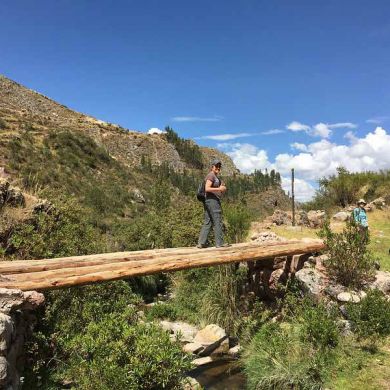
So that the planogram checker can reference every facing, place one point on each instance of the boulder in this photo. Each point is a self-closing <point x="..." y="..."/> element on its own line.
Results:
<point x="214" y="339"/>
<point x="280" y="217"/>
<point x="138" y="197"/>
<point x="379" y="203"/>
<point x="348" y="296"/>
<point x="202" y="361"/>
<point x="302" y="218"/>
<point x="333" y="290"/>
<point x="341" y="216"/>
<point x="316" y="218"/>
<point x="234" y="352"/>
<point x="3" y="371"/>
<point x="312" y="282"/>
<point x="194" y="348"/>
<point x="381" y="282"/>
<point x="184" y="331"/>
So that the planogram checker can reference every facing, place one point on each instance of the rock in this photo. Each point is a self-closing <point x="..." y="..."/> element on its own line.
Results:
<point x="32" y="300"/>
<point x="345" y="327"/>
<point x="316" y="218"/>
<point x="311" y="281"/>
<point x="382" y="282"/>
<point x="214" y="339"/>
<point x="302" y="219"/>
<point x="193" y="348"/>
<point x="341" y="216"/>
<point x="191" y="384"/>
<point x="266" y="237"/>
<point x="4" y="185"/>
<point x="10" y="299"/>
<point x="15" y="197"/>
<point x="202" y="361"/>
<point x="379" y="203"/>
<point x="139" y="198"/>
<point x="346" y="296"/>
<point x="234" y="351"/>
<point x="43" y="206"/>
<point x="6" y="330"/>
<point x="334" y="290"/>
<point x="186" y="332"/>
<point x="280" y="217"/>
<point x="3" y="371"/>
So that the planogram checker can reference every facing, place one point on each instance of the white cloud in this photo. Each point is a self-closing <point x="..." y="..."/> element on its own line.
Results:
<point x="297" y="126"/>
<point x="215" y="118"/>
<point x="377" y="120"/>
<point x="303" y="190"/>
<point x="323" y="130"/>
<point x="246" y="157"/>
<point x="225" y="137"/>
<point x="156" y="130"/>
<point x="272" y="132"/>
<point x="298" y="146"/>
<point x="318" y="159"/>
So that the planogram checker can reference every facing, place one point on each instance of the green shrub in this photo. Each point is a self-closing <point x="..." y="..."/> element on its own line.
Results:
<point x="238" y="221"/>
<point x="277" y="359"/>
<point x="371" y="316"/>
<point x="318" y="324"/>
<point x="162" y="311"/>
<point x="117" y="354"/>
<point x="221" y="303"/>
<point x="350" y="262"/>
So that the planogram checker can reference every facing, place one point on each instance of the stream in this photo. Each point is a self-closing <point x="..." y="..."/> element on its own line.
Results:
<point x="220" y="375"/>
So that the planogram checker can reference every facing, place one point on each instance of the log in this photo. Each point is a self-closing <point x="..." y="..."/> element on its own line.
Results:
<point x="74" y="276"/>
<point x="26" y="266"/>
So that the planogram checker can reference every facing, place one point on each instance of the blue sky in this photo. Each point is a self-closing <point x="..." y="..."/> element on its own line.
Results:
<point x="282" y="84"/>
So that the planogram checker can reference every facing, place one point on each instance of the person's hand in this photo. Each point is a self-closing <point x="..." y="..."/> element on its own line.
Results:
<point x="222" y="188"/>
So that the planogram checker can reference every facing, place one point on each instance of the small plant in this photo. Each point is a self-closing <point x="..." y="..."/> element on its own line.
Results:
<point x="318" y="324"/>
<point x="277" y="359"/>
<point x="162" y="311"/>
<point x="350" y="263"/>
<point x="371" y="316"/>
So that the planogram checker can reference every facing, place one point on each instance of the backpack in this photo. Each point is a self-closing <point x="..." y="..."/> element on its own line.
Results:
<point x="201" y="193"/>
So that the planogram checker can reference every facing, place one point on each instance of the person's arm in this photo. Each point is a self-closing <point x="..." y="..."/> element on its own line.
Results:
<point x="209" y="187"/>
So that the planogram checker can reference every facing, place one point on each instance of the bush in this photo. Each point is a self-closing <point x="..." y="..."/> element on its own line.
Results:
<point x="117" y="354"/>
<point x="94" y="340"/>
<point x="238" y="222"/>
<point x="350" y="263"/>
<point x="277" y="359"/>
<point x="162" y="311"/>
<point x="371" y="316"/>
<point x="318" y="324"/>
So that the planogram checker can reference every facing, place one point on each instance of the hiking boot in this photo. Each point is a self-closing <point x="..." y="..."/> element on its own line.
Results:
<point x="200" y="246"/>
<point x="223" y="245"/>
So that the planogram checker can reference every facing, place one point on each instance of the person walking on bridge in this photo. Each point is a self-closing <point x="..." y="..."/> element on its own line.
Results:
<point x="214" y="189"/>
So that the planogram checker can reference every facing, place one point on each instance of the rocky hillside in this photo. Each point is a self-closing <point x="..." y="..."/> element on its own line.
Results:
<point x="24" y="110"/>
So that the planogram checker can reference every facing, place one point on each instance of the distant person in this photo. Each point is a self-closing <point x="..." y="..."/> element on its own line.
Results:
<point x="360" y="218"/>
<point x="214" y="189"/>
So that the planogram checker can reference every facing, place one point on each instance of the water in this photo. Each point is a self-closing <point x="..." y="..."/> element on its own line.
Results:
<point x="220" y="375"/>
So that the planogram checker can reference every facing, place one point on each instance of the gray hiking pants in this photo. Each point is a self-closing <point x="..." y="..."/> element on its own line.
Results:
<point x="212" y="217"/>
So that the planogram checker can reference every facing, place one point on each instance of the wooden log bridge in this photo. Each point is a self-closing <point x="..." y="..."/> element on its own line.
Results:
<point x="79" y="270"/>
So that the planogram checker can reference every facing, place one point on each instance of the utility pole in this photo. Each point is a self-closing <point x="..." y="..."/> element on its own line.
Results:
<point x="292" y="197"/>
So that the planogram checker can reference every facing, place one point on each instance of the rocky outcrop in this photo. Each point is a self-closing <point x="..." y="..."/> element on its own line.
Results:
<point x="17" y="320"/>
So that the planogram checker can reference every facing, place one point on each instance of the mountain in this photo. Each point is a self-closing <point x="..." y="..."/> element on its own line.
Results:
<point x="24" y="110"/>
